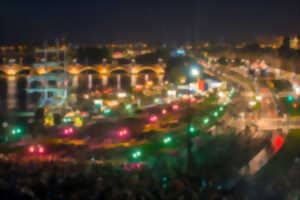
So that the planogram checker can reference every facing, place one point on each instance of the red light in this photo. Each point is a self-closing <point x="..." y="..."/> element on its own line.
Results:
<point x="175" y="107"/>
<point x="164" y="111"/>
<point x="31" y="149"/>
<point x="41" y="150"/>
<point x="138" y="88"/>
<point x="153" y="118"/>
<point x="278" y="142"/>
<point x="123" y="132"/>
<point x="66" y="132"/>
<point x="193" y="100"/>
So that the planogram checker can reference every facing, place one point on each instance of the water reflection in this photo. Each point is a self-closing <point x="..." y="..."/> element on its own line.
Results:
<point x="13" y="93"/>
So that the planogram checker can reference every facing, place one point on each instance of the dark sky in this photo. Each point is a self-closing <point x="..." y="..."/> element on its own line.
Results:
<point x="146" y="20"/>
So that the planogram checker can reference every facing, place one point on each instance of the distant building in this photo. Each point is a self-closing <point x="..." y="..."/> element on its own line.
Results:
<point x="266" y="41"/>
<point x="241" y="45"/>
<point x="294" y="42"/>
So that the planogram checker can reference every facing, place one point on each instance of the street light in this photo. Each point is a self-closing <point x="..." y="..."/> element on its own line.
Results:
<point x="190" y="129"/>
<point x="258" y="98"/>
<point x="252" y="103"/>
<point x="167" y="140"/>
<point x="216" y="114"/>
<point x="221" y="94"/>
<point x="195" y="72"/>
<point x="137" y="154"/>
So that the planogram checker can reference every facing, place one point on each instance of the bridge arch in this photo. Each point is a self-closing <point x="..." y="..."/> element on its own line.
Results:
<point x="3" y="72"/>
<point x="53" y="69"/>
<point x="24" y="70"/>
<point x="119" y="68"/>
<point x="150" y="68"/>
<point x="88" y="68"/>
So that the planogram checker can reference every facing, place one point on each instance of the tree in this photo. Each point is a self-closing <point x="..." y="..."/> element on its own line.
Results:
<point x="93" y="55"/>
<point x="57" y="118"/>
<point x="222" y="61"/>
<point x="237" y="62"/>
<point x="178" y="68"/>
<point x="39" y="115"/>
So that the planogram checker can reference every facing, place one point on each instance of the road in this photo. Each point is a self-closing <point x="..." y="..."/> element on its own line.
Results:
<point x="266" y="120"/>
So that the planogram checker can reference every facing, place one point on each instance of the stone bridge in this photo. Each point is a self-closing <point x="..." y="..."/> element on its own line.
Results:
<point x="104" y="71"/>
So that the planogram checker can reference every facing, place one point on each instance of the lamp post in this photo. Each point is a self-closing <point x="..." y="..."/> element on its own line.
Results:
<point x="194" y="73"/>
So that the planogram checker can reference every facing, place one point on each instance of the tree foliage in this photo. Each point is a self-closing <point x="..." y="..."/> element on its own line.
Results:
<point x="222" y="61"/>
<point x="93" y="55"/>
<point x="179" y="68"/>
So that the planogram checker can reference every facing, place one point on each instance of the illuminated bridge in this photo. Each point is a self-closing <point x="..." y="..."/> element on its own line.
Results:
<point x="11" y="72"/>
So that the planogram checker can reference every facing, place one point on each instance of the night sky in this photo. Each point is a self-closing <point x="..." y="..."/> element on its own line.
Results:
<point x="149" y="20"/>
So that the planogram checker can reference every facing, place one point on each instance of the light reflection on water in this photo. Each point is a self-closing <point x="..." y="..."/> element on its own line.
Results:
<point x="21" y="99"/>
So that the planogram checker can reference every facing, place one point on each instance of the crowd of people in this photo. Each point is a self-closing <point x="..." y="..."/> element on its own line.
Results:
<point x="67" y="180"/>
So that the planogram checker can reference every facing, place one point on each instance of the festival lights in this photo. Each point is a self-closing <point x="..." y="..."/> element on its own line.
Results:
<point x="175" y="107"/>
<point x="68" y="131"/>
<point x="164" y="111"/>
<point x="153" y="118"/>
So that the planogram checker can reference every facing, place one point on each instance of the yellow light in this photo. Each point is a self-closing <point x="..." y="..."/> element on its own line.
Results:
<point x="11" y="72"/>
<point x="41" y="70"/>
<point x="74" y="71"/>
<point x="149" y="83"/>
<point x="103" y="71"/>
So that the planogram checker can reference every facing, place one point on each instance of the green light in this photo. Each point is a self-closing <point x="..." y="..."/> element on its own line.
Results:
<point x="107" y="111"/>
<point x="206" y="120"/>
<point x="128" y="106"/>
<point x="136" y="154"/>
<point x="191" y="129"/>
<point x="290" y="98"/>
<point x="157" y="100"/>
<point x="164" y="179"/>
<point x="67" y="119"/>
<point x="16" y="131"/>
<point x="221" y="108"/>
<point x="167" y="140"/>
<point x="216" y="114"/>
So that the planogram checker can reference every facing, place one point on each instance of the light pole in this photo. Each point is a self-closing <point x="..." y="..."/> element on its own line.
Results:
<point x="194" y="73"/>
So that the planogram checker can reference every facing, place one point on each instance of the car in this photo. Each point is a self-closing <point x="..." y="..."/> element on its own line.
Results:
<point x="36" y="149"/>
